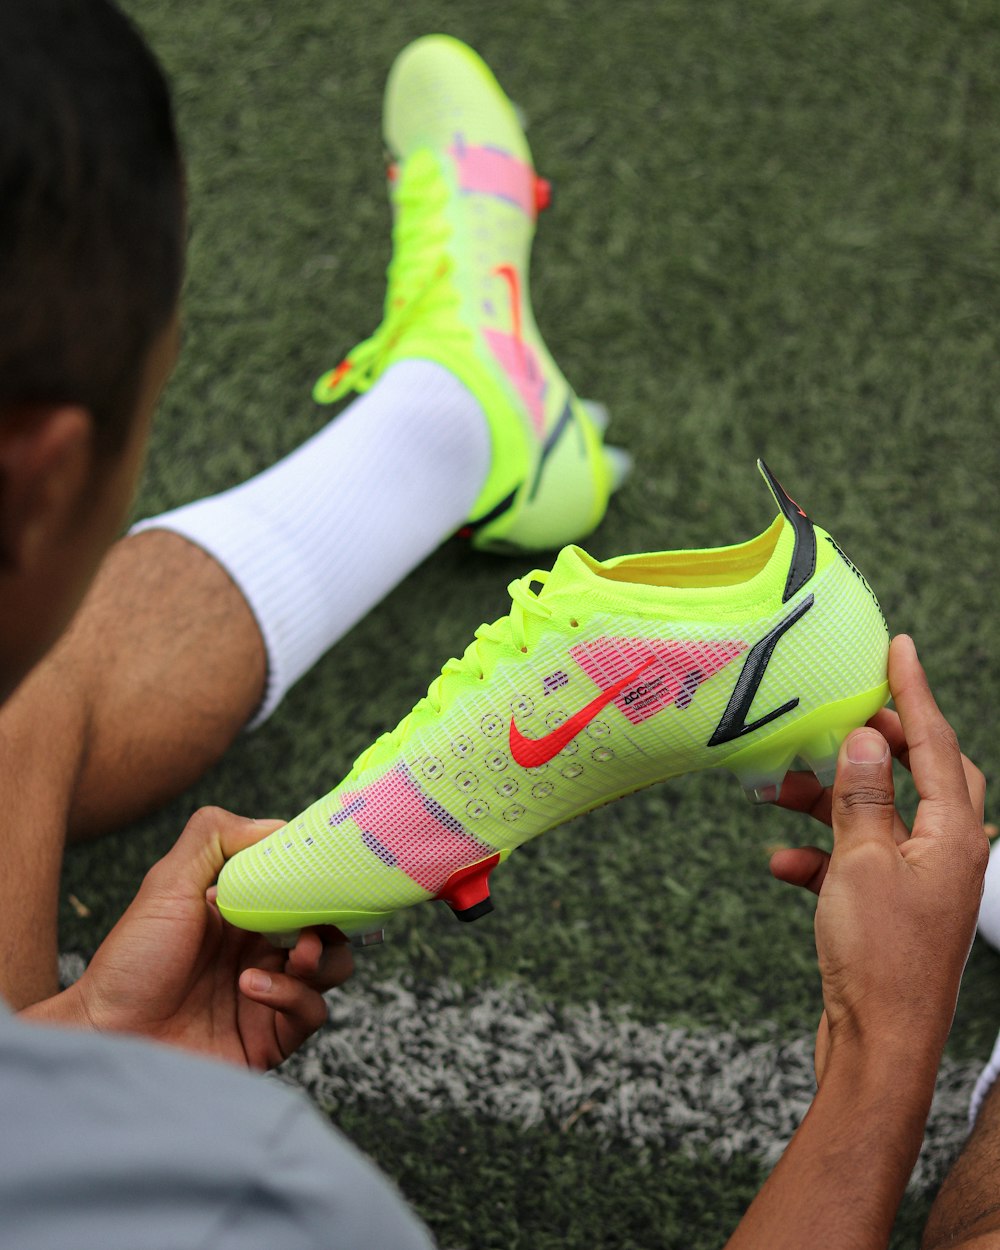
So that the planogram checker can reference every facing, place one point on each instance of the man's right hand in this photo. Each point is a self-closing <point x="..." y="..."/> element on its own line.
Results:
<point x="897" y="907"/>
<point x="896" y="916"/>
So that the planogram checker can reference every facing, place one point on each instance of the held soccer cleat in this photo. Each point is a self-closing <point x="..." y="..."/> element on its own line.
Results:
<point x="606" y="678"/>
<point x="465" y="198"/>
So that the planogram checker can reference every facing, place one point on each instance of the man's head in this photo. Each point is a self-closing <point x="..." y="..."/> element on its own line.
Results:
<point x="91" y="261"/>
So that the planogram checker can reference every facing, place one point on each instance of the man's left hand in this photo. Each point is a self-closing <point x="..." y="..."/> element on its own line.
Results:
<point x="173" y="970"/>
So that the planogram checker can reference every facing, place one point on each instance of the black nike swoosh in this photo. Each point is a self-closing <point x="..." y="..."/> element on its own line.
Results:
<point x="549" y="446"/>
<point x="734" y="719"/>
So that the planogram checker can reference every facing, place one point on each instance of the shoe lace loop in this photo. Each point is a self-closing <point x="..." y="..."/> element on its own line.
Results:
<point x="507" y="634"/>
<point x="419" y="264"/>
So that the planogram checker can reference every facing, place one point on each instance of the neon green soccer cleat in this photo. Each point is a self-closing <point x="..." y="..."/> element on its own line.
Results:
<point x="610" y="676"/>
<point x="465" y="198"/>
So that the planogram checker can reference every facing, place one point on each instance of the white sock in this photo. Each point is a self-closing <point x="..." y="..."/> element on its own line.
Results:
<point x="989" y="908"/>
<point x="315" y="541"/>
<point x="984" y="1083"/>
<point x="989" y="930"/>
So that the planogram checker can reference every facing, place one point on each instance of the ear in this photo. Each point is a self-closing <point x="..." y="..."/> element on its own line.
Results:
<point x="46" y="455"/>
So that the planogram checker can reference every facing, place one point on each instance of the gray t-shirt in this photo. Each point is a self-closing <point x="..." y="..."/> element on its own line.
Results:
<point x="108" y="1143"/>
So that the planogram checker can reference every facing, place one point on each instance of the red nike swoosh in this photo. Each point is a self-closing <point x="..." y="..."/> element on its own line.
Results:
<point x="534" y="752"/>
<point x="513" y="279"/>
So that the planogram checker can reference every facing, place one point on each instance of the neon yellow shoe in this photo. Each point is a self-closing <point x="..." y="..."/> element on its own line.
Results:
<point x="608" y="678"/>
<point x="465" y="198"/>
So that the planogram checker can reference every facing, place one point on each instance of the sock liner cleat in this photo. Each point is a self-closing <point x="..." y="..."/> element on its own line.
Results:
<point x="605" y="677"/>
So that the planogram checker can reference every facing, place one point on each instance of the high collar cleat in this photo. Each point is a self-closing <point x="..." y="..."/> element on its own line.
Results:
<point x="465" y="199"/>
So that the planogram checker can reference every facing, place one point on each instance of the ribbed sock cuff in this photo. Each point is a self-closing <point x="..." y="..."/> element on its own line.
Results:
<point x="289" y="618"/>
<point x="318" y="539"/>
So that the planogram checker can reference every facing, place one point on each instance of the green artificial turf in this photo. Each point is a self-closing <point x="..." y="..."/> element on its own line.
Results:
<point x="776" y="231"/>
<point x="497" y="1188"/>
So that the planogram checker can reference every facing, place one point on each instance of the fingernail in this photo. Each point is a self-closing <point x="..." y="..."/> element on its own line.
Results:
<point x="260" y="982"/>
<point x="867" y="747"/>
<point x="907" y="641"/>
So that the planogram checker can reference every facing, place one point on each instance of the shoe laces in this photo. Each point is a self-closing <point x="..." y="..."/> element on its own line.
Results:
<point x="416" y="275"/>
<point x="508" y="635"/>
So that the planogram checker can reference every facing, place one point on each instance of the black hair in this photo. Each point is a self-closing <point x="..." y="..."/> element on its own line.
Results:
<point x="91" y="209"/>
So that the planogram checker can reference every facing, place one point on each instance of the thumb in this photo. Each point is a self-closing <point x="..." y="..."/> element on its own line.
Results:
<point x="864" y="800"/>
<point x="211" y="836"/>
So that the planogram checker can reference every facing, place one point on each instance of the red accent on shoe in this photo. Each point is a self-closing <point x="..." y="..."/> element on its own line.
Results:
<point x="543" y="194"/>
<point x="334" y="377"/>
<point x="411" y="831"/>
<point x="468" y="886"/>
<point x="489" y="171"/>
<point x="521" y="364"/>
<point x="534" y="752"/>
<point x="511" y="276"/>
<point x="679" y="669"/>
<point x="465" y="532"/>
<point x="392" y="171"/>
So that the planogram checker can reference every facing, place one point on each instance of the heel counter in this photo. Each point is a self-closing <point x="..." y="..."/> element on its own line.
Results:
<point x="870" y="627"/>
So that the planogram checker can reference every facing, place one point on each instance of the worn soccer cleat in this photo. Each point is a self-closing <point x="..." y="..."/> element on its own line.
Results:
<point x="465" y="197"/>
<point x="610" y="676"/>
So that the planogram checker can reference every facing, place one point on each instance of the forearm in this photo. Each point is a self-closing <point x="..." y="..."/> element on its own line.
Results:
<point x="155" y="676"/>
<point x="840" y="1182"/>
<point x="42" y="737"/>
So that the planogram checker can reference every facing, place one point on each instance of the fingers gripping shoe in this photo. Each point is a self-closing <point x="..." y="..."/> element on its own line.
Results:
<point x="465" y="198"/>
<point x="606" y="678"/>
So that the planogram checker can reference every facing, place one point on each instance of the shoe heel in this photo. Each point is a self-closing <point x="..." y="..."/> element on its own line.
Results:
<point x="815" y="739"/>
<point x="467" y="892"/>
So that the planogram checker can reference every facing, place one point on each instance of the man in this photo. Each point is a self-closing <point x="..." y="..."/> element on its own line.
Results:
<point x="181" y="640"/>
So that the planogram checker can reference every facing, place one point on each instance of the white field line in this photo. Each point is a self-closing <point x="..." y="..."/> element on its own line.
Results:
<point x="500" y="1054"/>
